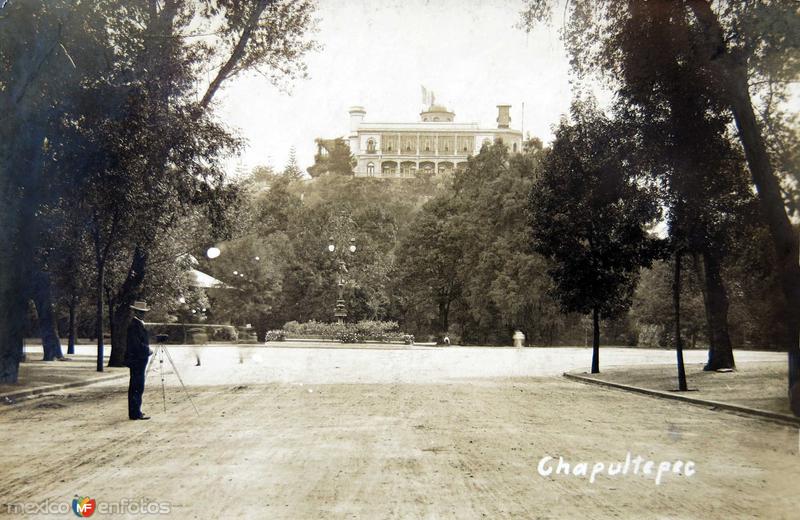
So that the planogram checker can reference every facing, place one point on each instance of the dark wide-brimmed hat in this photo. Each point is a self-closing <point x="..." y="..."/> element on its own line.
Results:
<point x="140" y="306"/>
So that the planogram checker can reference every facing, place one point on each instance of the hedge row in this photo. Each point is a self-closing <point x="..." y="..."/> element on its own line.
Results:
<point x="365" y="330"/>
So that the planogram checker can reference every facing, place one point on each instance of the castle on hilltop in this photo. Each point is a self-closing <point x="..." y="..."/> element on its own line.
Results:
<point x="434" y="144"/>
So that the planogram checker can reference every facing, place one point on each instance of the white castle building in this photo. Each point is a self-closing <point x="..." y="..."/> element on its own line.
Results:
<point x="435" y="144"/>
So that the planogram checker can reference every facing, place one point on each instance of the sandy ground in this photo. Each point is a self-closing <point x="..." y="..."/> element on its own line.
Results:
<point x="35" y="374"/>
<point x="401" y="444"/>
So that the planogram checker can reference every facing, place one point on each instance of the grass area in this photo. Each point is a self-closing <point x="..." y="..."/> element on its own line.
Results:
<point x="760" y="385"/>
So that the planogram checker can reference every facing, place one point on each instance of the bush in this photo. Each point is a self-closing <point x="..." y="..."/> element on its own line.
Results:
<point x="291" y="327"/>
<point x="350" y="336"/>
<point x="276" y="335"/>
<point x="365" y="330"/>
<point x="375" y="330"/>
<point x="224" y="333"/>
<point x="315" y="328"/>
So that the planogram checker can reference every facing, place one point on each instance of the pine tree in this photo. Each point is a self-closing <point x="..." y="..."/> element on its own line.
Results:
<point x="291" y="170"/>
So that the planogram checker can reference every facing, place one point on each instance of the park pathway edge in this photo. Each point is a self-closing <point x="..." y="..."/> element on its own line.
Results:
<point x="763" y="414"/>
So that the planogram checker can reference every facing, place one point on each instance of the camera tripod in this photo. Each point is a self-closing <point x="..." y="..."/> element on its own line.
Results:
<point x="161" y="353"/>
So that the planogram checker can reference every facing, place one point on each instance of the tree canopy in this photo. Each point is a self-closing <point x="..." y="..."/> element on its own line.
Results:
<point x="590" y="216"/>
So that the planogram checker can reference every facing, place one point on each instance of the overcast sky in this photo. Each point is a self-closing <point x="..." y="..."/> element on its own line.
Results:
<point x="378" y="53"/>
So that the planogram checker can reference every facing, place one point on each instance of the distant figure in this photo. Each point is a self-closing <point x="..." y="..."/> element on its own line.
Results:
<point x="137" y="353"/>
<point x="196" y="352"/>
<point x="446" y="341"/>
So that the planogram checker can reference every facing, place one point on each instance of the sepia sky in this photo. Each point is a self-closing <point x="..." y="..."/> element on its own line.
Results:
<point x="378" y="53"/>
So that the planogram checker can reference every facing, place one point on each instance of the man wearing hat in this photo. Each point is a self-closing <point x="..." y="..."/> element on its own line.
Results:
<point x="137" y="352"/>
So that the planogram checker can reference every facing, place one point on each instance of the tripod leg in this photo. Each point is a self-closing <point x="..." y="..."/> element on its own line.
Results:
<point x="161" y="370"/>
<point x="151" y="362"/>
<point x="171" y="362"/>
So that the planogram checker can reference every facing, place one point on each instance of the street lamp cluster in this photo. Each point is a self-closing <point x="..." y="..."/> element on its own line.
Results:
<point x="332" y="246"/>
<point x="240" y="274"/>
<point x="340" y="310"/>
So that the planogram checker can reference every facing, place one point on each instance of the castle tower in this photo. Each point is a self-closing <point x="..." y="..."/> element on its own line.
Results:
<point x="503" y="116"/>
<point x="357" y="114"/>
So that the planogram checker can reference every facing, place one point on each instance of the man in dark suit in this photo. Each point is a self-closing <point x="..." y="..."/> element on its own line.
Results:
<point x="137" y="352"/>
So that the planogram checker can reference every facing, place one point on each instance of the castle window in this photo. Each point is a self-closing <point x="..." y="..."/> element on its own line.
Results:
<point x="371" y="146"/>
<point x="370" y="169"/>
<point x="389" y="168"/>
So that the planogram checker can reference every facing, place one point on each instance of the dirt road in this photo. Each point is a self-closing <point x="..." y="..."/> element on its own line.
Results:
<point x="465" y="449"/>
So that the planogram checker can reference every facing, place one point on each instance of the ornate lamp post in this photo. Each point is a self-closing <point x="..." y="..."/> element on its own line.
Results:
<point x="340" y="310"/>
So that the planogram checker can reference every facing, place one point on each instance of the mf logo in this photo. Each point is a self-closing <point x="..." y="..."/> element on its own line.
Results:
<point x="83" y="506"/>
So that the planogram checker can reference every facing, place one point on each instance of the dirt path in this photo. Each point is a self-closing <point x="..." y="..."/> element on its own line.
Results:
<point x="461" y="450"/>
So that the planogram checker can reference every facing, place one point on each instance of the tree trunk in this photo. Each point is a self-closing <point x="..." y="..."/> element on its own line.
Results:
<point x="73" y="318"/>
<point x="127" y="294"/>
<point x="98" y="329"/>
<point x="48" y="330"/>
<point x="22" y="132"/>
<point x="783" y="235"/>
<point x="676" y="301"/>
<point x="12" y="317"/>
<point x="444" y="322"/>
<point x="595" y="341"/>
<point x="13" y="274"/>
<point x="720" y="351"/>
<point x="119" y="337"/>
<point x="733" y="77"/>
<point x="110" y="307"/>
<point x="228" y="67"/>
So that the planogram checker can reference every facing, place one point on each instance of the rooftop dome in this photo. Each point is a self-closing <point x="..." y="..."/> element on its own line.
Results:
<point x="437" y="113"/>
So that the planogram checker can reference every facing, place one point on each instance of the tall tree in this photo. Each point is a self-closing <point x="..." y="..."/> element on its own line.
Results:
<point x="736" y="46"/>
<point x="292" y="170"/>
<point x="684" y="132"/>
<point x="39" y="78"/>
<point x="505" y="282"/>
<point x="141" y="63"/>
<point x="269" y="37"/>
<point x="333" y="156"/>
<point x="589" y="215"/>
<point x="429" y="261"/>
